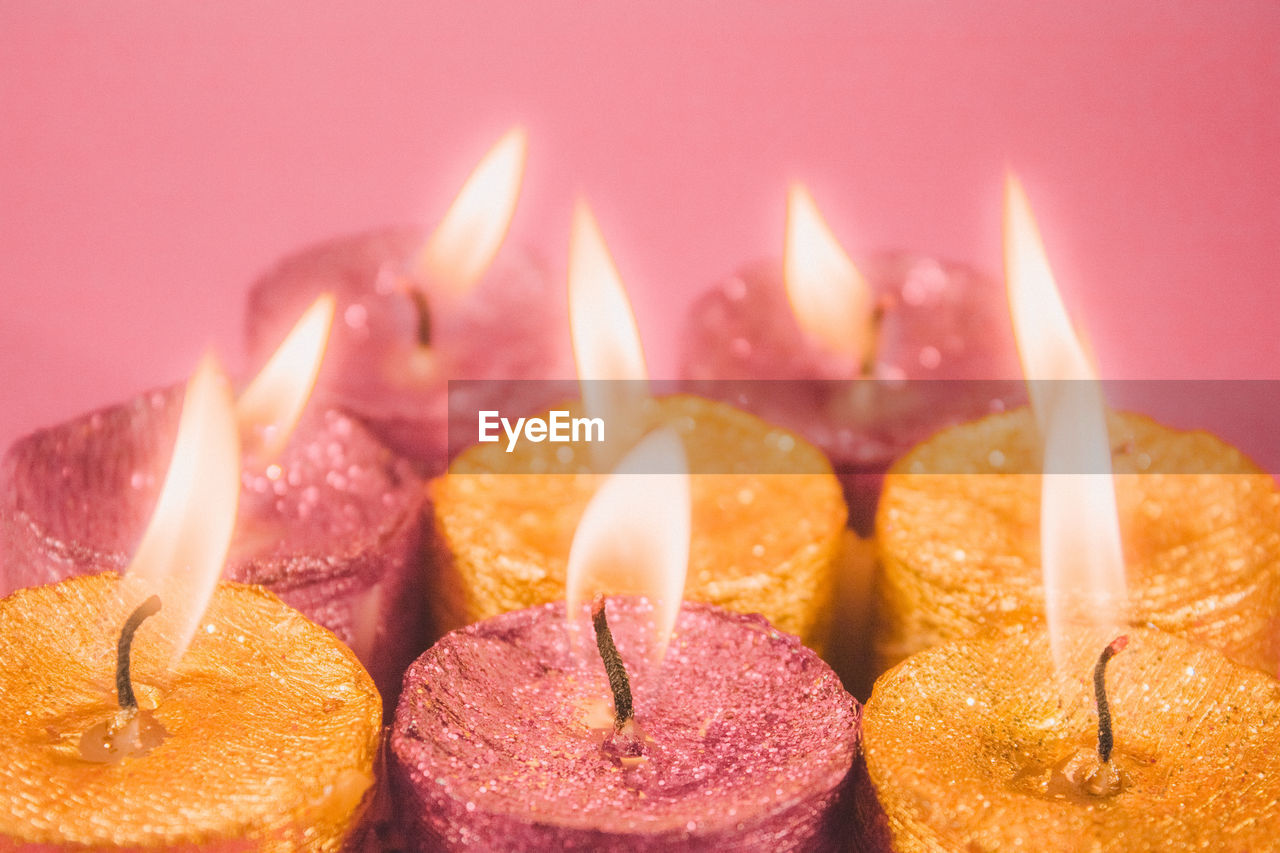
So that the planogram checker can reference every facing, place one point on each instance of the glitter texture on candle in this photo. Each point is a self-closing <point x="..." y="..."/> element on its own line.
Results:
<point x="748" y="740"/>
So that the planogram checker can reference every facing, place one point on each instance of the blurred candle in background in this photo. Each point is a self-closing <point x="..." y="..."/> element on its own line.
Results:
<point x="416" y="310"/>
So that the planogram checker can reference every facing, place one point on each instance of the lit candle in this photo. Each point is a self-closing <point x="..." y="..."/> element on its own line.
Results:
<point x="416" y="311"/>
<point x="331" y="522"/>
<point x="768" y="517"/>
<point x="521" y="733"/>
<point x="223" y="721"/>
<point x="819" y="323"/>
<point x="970" y="746"/>
<point x="960" y="526"/>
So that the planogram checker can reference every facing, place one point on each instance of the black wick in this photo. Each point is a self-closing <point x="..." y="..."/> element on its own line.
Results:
<point x="423" y="310"/>
<point x="618" y="681"/>
<point x="124" y="682"/>
<point x="868" y="367"/>
<point x="1105" y="741"/>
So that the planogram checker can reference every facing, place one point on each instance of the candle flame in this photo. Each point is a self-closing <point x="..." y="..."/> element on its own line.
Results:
<point x="606" y="341"/>
<point x="829" y="297"/>
<point x="1080" y="544"/>
<point x="633" y="538"/>
<point x="185" y="544"/>
<point x="468" y="237"/>
<point x="269" y="408"/>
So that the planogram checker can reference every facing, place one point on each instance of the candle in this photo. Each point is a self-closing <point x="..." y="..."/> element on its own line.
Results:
<point x="416" y="311"/>
<point x="231" y="721"/>
<point x="971" y="746"/>
<point x="733" y="736"/>
<point x="768" y="517"/>
<point x="959" y="545"/>
<point x="902" y="317"/>
<point x="332" y="524"/>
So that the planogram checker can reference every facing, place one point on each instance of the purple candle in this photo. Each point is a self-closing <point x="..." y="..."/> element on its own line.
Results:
<point x="746" y="740"/>
<point x="331" y="525"/>
<point x="416" y="310"/>
<point x="902" y="317"/>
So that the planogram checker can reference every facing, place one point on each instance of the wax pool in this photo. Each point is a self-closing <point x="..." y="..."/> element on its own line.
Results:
<point x="938" y="321"/>
<point x="333" y="525"/>
<point x="271" y="727"/>
<point x="747" y="739"/>
<point x="389" y="361"/>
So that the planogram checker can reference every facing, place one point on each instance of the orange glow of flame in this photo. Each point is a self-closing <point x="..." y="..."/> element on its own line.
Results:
<point x="606" y="341"/>
<point x="633" y="538"/>
<point x="468" y="237"/>
<point x="1080" y="544"/>
<point x="270" y="407"/>
<point x="829" y="297"/>
<point x="185" y="545"/>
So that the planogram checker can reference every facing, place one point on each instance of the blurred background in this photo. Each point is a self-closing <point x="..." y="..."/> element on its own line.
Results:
<point x="156" y="156"/>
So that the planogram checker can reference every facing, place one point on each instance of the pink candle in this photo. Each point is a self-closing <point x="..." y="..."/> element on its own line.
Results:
<point x="746" y="743"/>
<point x="416" y="310"/>
<point x="897" y="317"/>
<point x="332" y="525"/>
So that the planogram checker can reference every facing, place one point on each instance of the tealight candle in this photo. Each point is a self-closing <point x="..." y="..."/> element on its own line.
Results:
<point x="724" y="732"/>
<point x="768" y="517"/>
<point x="978" y="745"/>
<point x="416" y="311"/>
<point x="235" y="723"/>
<point x="824" y="328"/>
<point x="270" y="727"/>
<point x="332" y="524"/>
<point x="959" y="538"/>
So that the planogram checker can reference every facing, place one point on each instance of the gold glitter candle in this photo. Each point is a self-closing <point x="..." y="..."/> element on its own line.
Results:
<point x="268" y="727"/>
<point x="959" y="538"/>
<point x="766" y="532"/>
<point x="972" y="746"/>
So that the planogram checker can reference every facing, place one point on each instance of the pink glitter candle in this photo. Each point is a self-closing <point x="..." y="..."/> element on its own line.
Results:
<point x="923" y="320"/>
<point x="332" y="526"/>
<point x="743" y="741"/>
<point x="417" y="309"/>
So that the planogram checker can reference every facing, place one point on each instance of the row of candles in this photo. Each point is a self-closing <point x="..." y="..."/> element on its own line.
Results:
<point x="628" y="635"/>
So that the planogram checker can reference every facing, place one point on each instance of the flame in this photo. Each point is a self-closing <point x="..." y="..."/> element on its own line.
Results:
<point x="633" y="538"/>
<point x="270" y="407"/>
<point x="606" y="341"/>
<point x="182" y="551"/>
<point x="1080" y="546"/>
<point x="829" y="297"/>
<point x="467" y="238"/>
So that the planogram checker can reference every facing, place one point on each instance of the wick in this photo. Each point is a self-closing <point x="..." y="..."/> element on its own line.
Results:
<point x="867" y="369"/>
<point x="618" y="681"/>
<point x="423" y="310"/>
<point x="1100" y="693"/>
<point x="124" y="682"/>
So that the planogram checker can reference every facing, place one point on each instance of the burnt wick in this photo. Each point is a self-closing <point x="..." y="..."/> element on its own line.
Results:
<point x="423" y="310"/>
<point x="1105" y="738"/>
<point x="124" y="681"/>
<point x="618" y="681"/>
<point x="867" y="369"/>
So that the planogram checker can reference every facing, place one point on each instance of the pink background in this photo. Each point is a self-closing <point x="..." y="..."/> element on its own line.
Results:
<point x="154" y="156"/>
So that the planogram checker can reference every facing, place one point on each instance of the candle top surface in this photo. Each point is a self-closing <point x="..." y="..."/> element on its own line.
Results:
<point x="500" y="725"/>
<point x="271" y="725"/>
<point x="965" y="744"/>
<point x="82" y="492"/>
<point x="960" y="517"/>
<point x="763" y="539"/>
